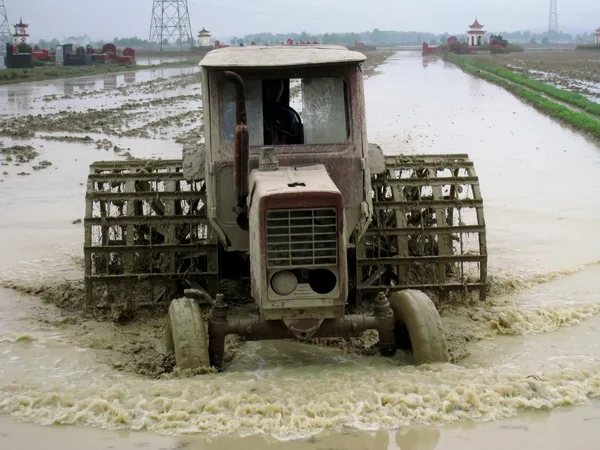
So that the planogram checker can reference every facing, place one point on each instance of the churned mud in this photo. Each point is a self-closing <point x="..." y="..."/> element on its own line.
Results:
<point x="18" y="154"/>
<point x="137" y="345"/>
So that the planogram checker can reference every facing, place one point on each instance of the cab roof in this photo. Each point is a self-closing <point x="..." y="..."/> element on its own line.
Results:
<point x="255" y="56"/>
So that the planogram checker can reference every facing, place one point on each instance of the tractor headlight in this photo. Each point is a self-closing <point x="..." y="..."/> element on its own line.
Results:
<point x="284" y="282"/>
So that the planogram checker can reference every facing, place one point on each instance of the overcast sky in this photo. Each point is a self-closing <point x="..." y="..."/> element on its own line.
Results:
<point x="105" y="19"/>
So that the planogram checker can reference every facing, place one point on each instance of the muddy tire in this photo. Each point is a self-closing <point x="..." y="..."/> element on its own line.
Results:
<point x="415" y="311"/>
<point x="186" y="336"/>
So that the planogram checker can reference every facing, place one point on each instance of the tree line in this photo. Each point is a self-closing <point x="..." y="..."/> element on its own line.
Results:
<point x="375" y="37"/>
<point x="381" y="37"/>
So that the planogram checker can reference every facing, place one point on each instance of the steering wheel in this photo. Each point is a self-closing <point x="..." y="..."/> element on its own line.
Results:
<point x="299" y="131"/>
<point x="294" y="112"/>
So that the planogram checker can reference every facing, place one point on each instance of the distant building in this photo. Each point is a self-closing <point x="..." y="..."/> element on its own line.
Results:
<point x="78" y="41"/>
<point x="21" y="33"/>
<point x="597" y="34"/>
<point x="476" y="34"/>
<point x="204" y="37"/>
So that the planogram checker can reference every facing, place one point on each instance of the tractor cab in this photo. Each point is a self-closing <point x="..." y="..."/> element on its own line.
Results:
<point x="304" y="103"/>
<point x="286" y="172"/>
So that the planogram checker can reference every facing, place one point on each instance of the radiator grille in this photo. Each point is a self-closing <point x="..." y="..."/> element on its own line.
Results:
<point x="301" y="237"/>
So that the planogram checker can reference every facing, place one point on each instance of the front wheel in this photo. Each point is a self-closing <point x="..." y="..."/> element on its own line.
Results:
<point x="186" y="336"/>
<point x="416" y="312"/>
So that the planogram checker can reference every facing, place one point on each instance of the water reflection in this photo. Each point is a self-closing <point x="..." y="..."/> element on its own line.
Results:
<point x="427" y="60"/>
<point x="78" y="85"/>
<point x="418" y="438"/>
<point x="155" y="61"/>
<point x="130" y="78"/>
<point x="413" y="438"/>
<point x="20" y="100"/>
<point x="110" y="81"/>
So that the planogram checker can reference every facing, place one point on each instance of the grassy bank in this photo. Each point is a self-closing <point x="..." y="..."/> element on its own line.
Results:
<point x="559" y="94"/>
<point x="577" y="120"/>
<point x="12" y="76"/>
<point x="374" y="59"/>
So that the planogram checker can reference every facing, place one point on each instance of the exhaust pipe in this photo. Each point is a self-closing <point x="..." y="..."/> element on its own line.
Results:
<point x="241" y="144"/>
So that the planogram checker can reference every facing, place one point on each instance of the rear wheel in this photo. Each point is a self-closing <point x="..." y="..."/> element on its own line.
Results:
<point x="185" y="335"/>
<point x="415" y="312"/>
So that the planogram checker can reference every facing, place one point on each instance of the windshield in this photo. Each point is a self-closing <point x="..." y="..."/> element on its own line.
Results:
<point x="291" y="111"/>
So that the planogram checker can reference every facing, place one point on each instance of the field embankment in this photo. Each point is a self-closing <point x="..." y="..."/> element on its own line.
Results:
<point x="52" y="72"/>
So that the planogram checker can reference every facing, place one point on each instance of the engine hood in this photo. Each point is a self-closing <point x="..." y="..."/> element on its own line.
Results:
<point x="291" y="181"/>
<point x="297" y="204"/>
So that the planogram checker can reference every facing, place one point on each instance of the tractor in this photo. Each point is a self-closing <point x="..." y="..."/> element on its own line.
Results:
<point x="270" y="231"/>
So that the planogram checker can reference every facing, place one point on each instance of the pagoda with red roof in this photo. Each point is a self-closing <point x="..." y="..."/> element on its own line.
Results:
<point x="476" y="33"/>
<point x="21" y="34"/>
<point x="597" y="34"/>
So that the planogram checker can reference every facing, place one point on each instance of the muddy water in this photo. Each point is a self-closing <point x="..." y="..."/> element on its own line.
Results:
<point x="534" y="350"/>
<point x="147" y="61"/>
<point x="539" y="180"/>
<point x="30" y="98"/>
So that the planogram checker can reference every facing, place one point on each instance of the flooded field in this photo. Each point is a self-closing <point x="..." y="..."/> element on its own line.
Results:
<point x="529" y="364"/>
<point x="577" y="71"/>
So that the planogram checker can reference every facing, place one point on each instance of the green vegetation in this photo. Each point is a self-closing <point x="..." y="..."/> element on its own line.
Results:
<point x="571" y="98"/>
<point x="50" y="72"/>
<point x="24" y="48"/>
<point x="574" y="119"/>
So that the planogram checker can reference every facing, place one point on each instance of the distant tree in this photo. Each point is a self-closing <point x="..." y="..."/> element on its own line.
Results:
<point x="377" y="37"/>
<point x="236" y="41"/>
<point x="134" y="42"/>
<point x="546" y="40"/>
<point x="533" y="41"/>
<point x="24" y="48"/>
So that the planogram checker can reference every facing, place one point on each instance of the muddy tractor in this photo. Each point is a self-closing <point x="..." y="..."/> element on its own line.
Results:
<point x="285" y="223"/>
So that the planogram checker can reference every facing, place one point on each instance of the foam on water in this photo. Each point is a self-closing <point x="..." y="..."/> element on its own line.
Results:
<point x="292" y="403"/>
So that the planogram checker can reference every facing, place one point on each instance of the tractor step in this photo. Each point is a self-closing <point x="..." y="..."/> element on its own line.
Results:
<point x="428" y="229"/>
<point x="146" y="234"/>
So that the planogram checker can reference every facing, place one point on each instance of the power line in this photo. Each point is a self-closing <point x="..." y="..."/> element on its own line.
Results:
<point x="5" y="35"/>
<point x="553" y="19"/>
<point x="170" y="24"/>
